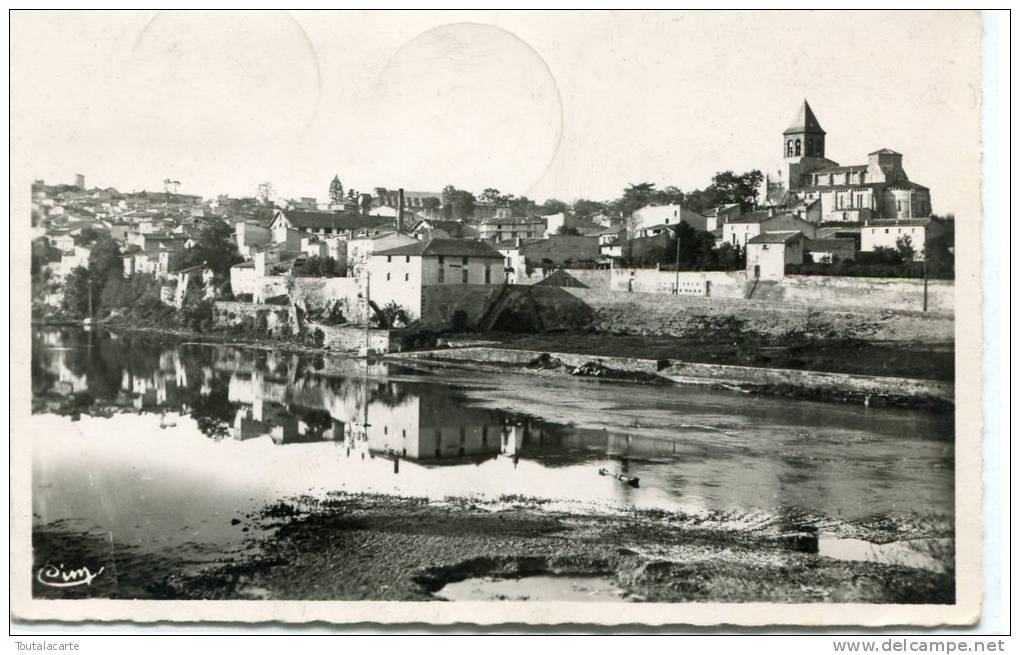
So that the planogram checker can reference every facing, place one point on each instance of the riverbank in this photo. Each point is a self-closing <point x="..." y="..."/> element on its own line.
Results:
<point x="368" y="547"/>
<point x="844" y="372"/>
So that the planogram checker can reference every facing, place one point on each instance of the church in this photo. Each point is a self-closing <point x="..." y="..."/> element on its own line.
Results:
<point x="821" y="190"/>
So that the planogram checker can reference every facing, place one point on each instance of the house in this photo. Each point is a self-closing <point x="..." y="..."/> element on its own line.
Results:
<point x="656" y="216"/>
<point x="250" y="236"/>
<point x="413" y="200"/>
<point x="429" y="228"/>
<point x="741" y="230"/>
<point x="359" y="250"/>
<point x="611" y="244"/>
<point x="715" y="217"/>
<point x="887" y="233"/>
<point x="520" y="255"/>
<point x="830" y="251"/>
<point x="557" y="223"/>
<point x="320" y="224"/>
<point x="502" y="228"/>
<point x="400" y="275"/>
<point x="769" y="253"/>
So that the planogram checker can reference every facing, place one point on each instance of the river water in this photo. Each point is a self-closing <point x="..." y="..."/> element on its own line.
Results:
<point x="155" y="446"/>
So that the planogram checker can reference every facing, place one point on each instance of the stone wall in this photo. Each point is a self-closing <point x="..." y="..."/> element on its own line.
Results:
<point x="542" y="308"/>
<point x="869" y="292"/>
<point x="273" y="319"/>
<point x="440" y="304"/>
<point x="335" y="296"/>
<point x="349" y="339"/>
<point x="719" y="284"/>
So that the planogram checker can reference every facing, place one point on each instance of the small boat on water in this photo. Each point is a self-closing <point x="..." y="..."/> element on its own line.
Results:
<point x="629" y="480"/>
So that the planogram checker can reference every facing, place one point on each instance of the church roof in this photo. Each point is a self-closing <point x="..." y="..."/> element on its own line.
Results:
<point x="883" y="151"/>
<point x="804" y="121"/>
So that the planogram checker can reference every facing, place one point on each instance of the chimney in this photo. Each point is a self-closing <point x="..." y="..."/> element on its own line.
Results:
<point x="79" y="180"/>
<point x="400" y="210"/>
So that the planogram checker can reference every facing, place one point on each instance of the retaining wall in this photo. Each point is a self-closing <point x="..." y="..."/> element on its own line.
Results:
<point x="350" y="339"/>
<point x="871" y="292"/>
<point x="833" y="382"/>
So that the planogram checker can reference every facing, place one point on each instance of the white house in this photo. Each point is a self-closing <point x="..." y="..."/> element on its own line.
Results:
<point x="656" y="216"/>
<point x="885" y="233"/>
<point x="769" y="253"/>
<point x="400" y="274"/>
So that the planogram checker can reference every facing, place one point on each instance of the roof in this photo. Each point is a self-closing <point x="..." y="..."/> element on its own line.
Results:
<point x="514" y="220"/>
<point x="906" y="184"/>
<point x="511" y="244"/>
<point x="843" y="187"/>
<point x="884" y="151"/>
<point x="804" y="121"/>
<point x="897" y="222"/>
<point x="776" y="237"/>
<point x="335" y="220"/>
<point x="840" y="169"/>
<point x="453" y="228"/>
<point x="828" y="244"/>
<point x="443" y="248"/>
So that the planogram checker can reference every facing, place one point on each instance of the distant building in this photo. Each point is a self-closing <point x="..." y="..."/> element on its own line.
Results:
<point x="321" y="223"/>
<point x="429" y="228"/>
<point x="739" y="231"/>
<point x="652" y="219"/>
<point x="768" y="254"/>
<point x="888" y="233"/>
<point x="507" y="227"/>
<point x="857" y="193"/>
<point x="830" y="251"/>
<point x="400" y="274"/>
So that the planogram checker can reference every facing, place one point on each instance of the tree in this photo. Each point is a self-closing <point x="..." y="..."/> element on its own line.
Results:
<point x="493" y="196"/>
<point x="105" y="260"/>
<point x="634" y="197"/>
<point x="905" y="247"/>
<point x="522" y="206"/>
<point x="554" y="206"/>
<point x="76" y="292"/>
<point x="266" y="193"/>
<point x="567" y="230"/>
<point x="336" y="190"/>
<point x="318" y="267"/>
<point x="216" y="248"/>
<point x="585" y="208"/>
<point x="457" y="203"/>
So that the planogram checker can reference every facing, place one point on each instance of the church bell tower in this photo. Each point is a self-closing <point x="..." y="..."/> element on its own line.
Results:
<point x="805" y="136"/>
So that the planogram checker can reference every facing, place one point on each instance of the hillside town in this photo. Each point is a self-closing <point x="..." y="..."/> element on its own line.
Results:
<point x="450" y="260"/>
<point x="497" y="317"/>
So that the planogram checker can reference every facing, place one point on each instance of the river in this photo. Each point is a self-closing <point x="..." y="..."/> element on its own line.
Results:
<point x="162" y="447"/>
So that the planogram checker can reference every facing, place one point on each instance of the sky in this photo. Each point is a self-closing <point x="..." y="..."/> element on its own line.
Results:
<point x="543" y="104"/>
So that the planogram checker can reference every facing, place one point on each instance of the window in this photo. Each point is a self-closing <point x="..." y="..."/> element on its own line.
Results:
<point x="407" y="259"/>
<point x="464" y="275"/>
<point x="442" y="274"/>
<point x="488" y="274"/>
<point x="464" y="261"/>
<point x="407" y="277"/>
<point x="389" y="259"/>
<point x="387" y="277"/>
<point x="789" y="148"/>
<point x="887" y="230"/>
<point x="442" y="260"/>
<point x="796" y="148"/>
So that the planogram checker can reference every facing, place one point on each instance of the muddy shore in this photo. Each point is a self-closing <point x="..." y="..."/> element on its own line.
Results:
<point x="366" y="547"/>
